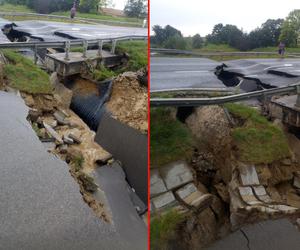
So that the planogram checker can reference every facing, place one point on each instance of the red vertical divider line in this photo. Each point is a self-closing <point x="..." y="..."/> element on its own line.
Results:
<point x="149" y="126"/>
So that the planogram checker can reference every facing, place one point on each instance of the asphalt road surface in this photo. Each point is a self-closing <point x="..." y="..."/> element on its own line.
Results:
<point x="56" y="31"/>
<point x="275" y="235"/>
<point x="41" y="206"/>
<point x="183" y="73"/>
<point x="271" y="72"/>
<point x="188" y="73"/>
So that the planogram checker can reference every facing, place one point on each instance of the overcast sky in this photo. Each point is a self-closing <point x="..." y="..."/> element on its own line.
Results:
<point x="199" y="16"/>
<point x="119" y="4"/>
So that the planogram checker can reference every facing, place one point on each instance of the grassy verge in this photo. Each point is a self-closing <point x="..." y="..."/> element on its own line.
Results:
<point x="15" y="8"/>
<point x="170" y="139"/>
<point x="23" y="75"/>
<point x="162" y="227"/>
<point x="101" y="17"/>
<point x="257" y="140"/>
<point x="137" y="51"/>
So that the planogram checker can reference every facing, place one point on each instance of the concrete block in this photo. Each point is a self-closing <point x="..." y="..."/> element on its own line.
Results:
<point x="248" y="196"/>
<point x="176" y="174"/>
<point x="248" y="175"/>
<point x="164" y="200"/>
<point x="157" y="185"/>
<point x="262" y="195"/>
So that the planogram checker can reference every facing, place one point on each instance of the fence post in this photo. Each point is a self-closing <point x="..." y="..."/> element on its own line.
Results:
<point x="113" y="46"/>
<point x="67" y="50"/>
<point x="35" y="54"/>
<point x="297" y="104"/>
<point x="100" y="46"/>
<point x="85" y="47"/>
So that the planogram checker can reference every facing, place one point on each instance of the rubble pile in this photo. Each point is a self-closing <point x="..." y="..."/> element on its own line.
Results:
<point x="129" y="101"/>
<point x="64" y="134"/>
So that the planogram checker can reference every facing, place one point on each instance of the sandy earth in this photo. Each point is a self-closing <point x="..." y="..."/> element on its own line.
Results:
<point x="129" y="102"/>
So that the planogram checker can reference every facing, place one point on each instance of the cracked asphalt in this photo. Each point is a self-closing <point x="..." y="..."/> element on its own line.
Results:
<point x="273" y="234"/>
<point x="41" y="206"/>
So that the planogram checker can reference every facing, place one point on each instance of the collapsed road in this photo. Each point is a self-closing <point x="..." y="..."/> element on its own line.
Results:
<point x="56" y="31"/>
<point x="42" y="207"/>
<point x="171" y="73"/>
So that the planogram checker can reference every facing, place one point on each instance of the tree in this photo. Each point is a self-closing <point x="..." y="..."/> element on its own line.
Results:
<point x="175" y="42"/>
<point x="291" y="29"/>
<point x="197" y="41"/>
<point x="136" y="8"/>
<point x="161" y="35"/>
<point x="88" y="6"/>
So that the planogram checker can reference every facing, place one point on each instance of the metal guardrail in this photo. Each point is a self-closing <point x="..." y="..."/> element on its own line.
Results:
<point x="66" y="45"/>
<point x="202" y="54"/>
<point x="190" y="102"/>
<point x="85" y="20"/>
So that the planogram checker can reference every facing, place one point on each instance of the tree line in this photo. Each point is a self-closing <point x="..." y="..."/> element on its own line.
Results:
<point x="133" y="8"/>
<point x="270" y="33"/>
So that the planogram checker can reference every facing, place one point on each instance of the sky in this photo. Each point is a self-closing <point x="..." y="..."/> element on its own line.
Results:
<point x="200" y="16"/>
<point x="119" y="4"/>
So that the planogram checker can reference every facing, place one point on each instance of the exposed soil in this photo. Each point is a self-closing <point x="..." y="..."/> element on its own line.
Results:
<point x="217" y="167"/>
<point x="84" y="87"/>
<point x="129" y="101"/>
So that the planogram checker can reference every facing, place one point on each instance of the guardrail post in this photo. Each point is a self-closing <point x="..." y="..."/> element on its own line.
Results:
<point x="113" y="46"/>
<point x="67" y="50"/>
<point x="85" y="47"/>
<point x="100" y="46"/>
<point x="35" y="54"/>
<point x="297" y="104"/>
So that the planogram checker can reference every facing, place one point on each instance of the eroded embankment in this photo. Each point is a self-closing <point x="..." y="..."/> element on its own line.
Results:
<point x="244" y="169"/>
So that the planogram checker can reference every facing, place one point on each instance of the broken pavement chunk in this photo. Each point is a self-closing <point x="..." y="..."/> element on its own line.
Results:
<point x="164" y="200"/>
<point x="191" y="196"/>
<point x="248" y="175"/>
<point x="176" y="174"/>
<point x="262" y="195"/>
<point x="53" y="133"/>
<point x="75" y="138"/>
<point x="68" y="140"/>
<point x="157" y="184"/>
<point x="60" y="117"/>
<point x="248" y="196"/>
<point x="296" y="181"/>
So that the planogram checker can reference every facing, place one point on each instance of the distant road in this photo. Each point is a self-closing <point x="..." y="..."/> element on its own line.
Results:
<point x="179" y="73"/>
<point x="58" y="31"/>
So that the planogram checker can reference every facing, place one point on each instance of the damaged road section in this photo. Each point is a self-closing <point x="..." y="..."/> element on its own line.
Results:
<point x="276" y="235"/>
<point x="259" y="73"/>
<point x="41" y="206"/>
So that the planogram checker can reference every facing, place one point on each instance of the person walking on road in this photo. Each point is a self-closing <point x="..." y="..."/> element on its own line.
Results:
<point x="281" y="49"/>
<point x="73" y="12"/>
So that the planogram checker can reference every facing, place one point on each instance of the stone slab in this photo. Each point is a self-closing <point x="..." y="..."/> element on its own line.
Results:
<point x="248" y="196"/>
<point x="248" y="175"/>
<point x="164" y="200"/>
<point x="176" y="174"/>
<point x="157" y="185"/>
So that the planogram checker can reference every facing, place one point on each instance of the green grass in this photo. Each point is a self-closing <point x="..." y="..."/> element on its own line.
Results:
<point x="216" y="48"/>
<point x="78" y="162"/>
<point x="257" y="140"/>
<point x="103" y="73"/>
<point x="275" y="49"/>
<point x="162" y="227"/>
<point x="137" y="51"/>
<point x="23" y="75"/>
<point x="101" y="17"/>
<point x="14" y="8"/>
<point x="170" y="139"/>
